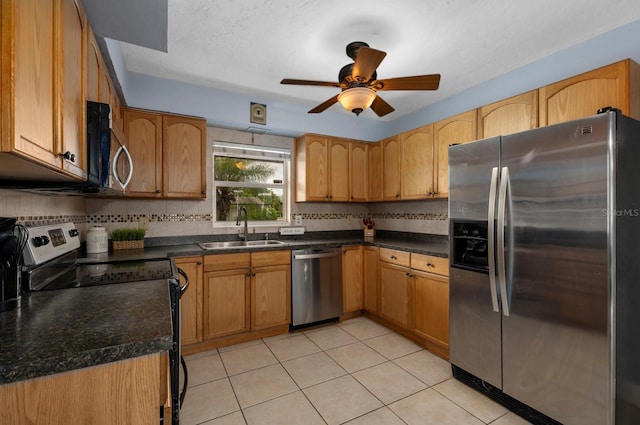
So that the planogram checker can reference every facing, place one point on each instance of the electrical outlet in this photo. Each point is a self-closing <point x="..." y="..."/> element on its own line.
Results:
<point x="143" y="223"/>
<point x="297" y="220"/>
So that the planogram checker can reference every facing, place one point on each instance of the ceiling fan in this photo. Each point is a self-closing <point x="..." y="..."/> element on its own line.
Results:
<point x="359" y="82"/>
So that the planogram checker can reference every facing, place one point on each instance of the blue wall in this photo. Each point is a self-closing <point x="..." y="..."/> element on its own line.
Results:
<point x="231" y="110"/>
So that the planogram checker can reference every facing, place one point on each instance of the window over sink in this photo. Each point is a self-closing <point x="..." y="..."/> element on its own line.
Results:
<point x="253" y="177"/>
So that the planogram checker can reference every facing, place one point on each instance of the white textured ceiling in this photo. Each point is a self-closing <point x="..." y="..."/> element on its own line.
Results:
<point x="248" y="46"/>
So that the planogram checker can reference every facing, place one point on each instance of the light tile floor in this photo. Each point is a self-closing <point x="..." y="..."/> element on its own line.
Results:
<point x="356" y="372"/>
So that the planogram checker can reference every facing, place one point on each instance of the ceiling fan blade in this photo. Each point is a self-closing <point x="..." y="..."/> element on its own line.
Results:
<point x="309" y="83"/>
<point x="324" y="105"/>
<point x="366" y="63"/>
<point x="380" y="107"/>
<point x="419" y="82"/>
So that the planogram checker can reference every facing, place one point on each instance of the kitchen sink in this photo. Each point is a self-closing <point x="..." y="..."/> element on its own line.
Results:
<point x="238" y="244"/>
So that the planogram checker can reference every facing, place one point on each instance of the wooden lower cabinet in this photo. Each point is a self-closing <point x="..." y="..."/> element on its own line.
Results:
<point x="370" y="279"/>
<point x="395" y="294"/>
<point x="352" y="290"/>
<point x="270" y="296"/>
<point x="191" y="300"/>
<point x="226" y="300"/>
<point x="431" y="306"/>
<point x="245" y="292"/>
<point x="127" y="392"/>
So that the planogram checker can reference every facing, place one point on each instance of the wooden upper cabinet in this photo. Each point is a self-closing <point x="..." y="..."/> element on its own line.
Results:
<point x="311" y="168"/>
<point x="339" y="170"/>
<point x="321" y="168"/>
<point x="144" y="135"/>
<point x="417" y="165"/>
<point x="391" y="157"/>
<point x="72" y="99"/>
<point x="616" y="85"/>
<point x="93" y="67"/>
<point x="508" y="116"/>
<point x="461" y="128"/>
<point x="34" y="73"/>
<point x="168" y="153"/>
<point x="183" y="157"/>
<point x="43" y="56"/>
<point x="375" y="171"/>
<point x="358" y="171"/>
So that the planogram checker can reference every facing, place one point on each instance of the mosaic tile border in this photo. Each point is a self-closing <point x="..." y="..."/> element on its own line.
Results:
<point x="167" y="218"/>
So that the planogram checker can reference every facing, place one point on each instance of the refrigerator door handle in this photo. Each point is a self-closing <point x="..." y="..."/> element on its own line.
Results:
<point x="491" y="239"/>
<point x="502" y="274"/>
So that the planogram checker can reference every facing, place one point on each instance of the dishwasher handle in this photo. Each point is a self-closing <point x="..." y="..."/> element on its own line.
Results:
<point x="318" y="255"/>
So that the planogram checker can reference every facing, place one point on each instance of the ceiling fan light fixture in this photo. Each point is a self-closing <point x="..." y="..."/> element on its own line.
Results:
<point x="356" y="99"/>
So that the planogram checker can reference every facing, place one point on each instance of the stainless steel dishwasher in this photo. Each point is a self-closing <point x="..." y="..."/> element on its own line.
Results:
<point x="316" y="285"/>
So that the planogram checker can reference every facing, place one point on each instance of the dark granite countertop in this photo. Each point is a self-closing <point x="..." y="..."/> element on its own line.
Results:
<point x="58" y="331"/>
<point x="187" y="246"/>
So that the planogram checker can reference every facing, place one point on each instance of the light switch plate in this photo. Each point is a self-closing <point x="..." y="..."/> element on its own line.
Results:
<point x="297" y="220"/>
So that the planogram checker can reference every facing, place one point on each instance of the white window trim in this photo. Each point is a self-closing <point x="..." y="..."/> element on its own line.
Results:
<point x="247" y="151"/>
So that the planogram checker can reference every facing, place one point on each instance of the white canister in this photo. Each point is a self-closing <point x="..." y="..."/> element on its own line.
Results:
<point x="97" y="240"/>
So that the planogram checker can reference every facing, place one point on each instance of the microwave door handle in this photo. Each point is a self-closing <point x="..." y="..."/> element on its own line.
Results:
<point x="491" y="239"/>
<point x="116" y="158"/>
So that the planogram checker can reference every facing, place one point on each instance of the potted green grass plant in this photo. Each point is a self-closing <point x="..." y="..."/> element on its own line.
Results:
<point x="128" y="238"/>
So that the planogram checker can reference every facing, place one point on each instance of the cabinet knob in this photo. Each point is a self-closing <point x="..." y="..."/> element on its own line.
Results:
<point x="393" y="257"/>
<point x="199" y="263"/>
<point x="430" y="265"/>
<point x="157" y="190"/>
<point x="204" y="192"/>
<point x="68" y="156"/>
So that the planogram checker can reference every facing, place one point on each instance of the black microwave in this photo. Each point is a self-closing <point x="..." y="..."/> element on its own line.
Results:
<point x="109" y="164"/>
<point x="107" y="157"/>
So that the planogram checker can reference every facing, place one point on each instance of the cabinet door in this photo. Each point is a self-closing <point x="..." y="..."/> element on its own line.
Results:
<point x="508" y="116"/>
<point x="226" y="303"/>
<point x="312" y="168"/>
<point x="375" y="171"/>
<point x="391" y="169"/>
<point x="72" y="102"/>
<point x="191" y="300"/>
<point x="370" y="279"/>
<point x="270" y="297"/>
<point x="34" y="81"/>
<point x="461" y="128"/>
<point x="417" y="165"/>
<point x="395" y="294"/>
<point x="431" y="306"/>
<point x="93" y="67"/>
<point x="339" y="170"/>
<point x="358" y="171"/>
<point x="352" y="290"/>
<point x="144" y="135"/>
<point x="106" y="86"/>
<point x="183" y="157"/>
<point x="582" y="95"/>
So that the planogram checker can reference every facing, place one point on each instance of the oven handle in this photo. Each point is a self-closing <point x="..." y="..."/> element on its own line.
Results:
<point x="183" y="288"/>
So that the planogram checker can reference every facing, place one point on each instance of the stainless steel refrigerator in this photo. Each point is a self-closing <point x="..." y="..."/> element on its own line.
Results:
<point x="545" y="270"/>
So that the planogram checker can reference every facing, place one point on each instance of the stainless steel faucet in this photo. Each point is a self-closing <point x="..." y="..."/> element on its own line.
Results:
<point x="245" y="235"/>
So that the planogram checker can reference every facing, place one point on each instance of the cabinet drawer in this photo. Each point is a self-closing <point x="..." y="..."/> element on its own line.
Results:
<point x="241" y="260"/>
<point x="428" y="263"/>
<point x="401" y="258"/>
<point x="270" y="258"/>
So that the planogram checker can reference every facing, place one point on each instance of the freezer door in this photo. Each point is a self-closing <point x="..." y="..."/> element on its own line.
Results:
<point x="555" y="337"/>
<point x="475" y="320"/>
